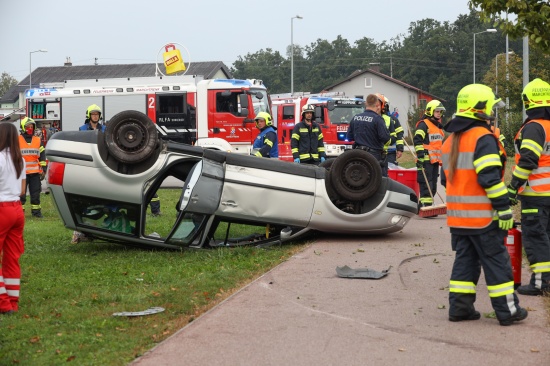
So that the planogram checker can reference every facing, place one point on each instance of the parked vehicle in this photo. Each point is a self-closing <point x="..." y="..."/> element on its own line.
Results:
<point x="101" y="184"/>
<point x="213" y="113"/>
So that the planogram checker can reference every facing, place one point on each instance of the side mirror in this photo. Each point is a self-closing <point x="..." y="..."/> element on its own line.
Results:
<point x="331" y="105"/>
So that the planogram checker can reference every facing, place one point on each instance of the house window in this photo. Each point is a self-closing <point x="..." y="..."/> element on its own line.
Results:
<point x="423" y="103"/>
<point x="368" y="83"/>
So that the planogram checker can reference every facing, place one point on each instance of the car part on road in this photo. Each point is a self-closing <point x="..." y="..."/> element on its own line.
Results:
<point x="348" y="272"/>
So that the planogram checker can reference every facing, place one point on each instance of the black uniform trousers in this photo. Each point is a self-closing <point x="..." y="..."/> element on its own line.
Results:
<point x="35" y="188"/>
<point x="155" y="204"/>
<point x="485" y="250"/>
<point x="535" y="235"/>
<point x="432" y="173"/>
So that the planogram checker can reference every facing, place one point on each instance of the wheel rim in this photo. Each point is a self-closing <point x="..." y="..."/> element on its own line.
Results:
<point x="356" y="175"/>
<point x="131" y="137"/>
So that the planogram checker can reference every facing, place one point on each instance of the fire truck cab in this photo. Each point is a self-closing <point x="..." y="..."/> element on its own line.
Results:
<point x="214" y="113"/>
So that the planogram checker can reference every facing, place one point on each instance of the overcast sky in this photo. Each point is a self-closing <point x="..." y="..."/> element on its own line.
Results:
<point x="124" y="31"/>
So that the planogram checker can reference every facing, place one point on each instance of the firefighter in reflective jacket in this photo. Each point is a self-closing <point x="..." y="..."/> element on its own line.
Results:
<point x="395" y="150"/>
<point x="531" y="177"/>
<point x="428" y="139"/>
<point x="265" y="144"/>
<point x="307" y="139"/>
<point x="33" y="153"/>
<point x="478" y="213"/>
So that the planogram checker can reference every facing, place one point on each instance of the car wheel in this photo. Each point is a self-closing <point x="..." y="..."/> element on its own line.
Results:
<point x="131" y="137"/>
<point x="355" y="175"/>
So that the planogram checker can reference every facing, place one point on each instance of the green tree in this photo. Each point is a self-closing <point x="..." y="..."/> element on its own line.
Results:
<point x="6" y="82"/>
<point x="269" y="66"/>
<point x="531" y="19"/>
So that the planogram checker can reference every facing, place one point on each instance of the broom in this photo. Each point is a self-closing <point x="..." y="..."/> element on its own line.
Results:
<point x="429" y="211"/>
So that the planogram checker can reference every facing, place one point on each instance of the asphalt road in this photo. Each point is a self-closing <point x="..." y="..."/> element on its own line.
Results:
<point x="301" y="313"/>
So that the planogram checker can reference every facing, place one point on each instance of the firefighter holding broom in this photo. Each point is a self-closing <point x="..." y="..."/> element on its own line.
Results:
<point x="427" y="141"/>
<point x="478" y="210"/>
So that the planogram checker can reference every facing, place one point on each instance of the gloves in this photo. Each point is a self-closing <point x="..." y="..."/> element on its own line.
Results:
<point x="297" y="160"/>
<point x="513" y="195"/>
<point x="322" y="159"/>
<point x="505" y="219"/>
<point x="419" y="163"/>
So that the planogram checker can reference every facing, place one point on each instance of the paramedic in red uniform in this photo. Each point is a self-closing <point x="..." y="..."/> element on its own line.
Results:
<point x="478" y="210"/>
<point x="12" y="183"/>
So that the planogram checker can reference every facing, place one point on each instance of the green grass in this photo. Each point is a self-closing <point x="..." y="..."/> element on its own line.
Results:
<point x="69" y="292"/>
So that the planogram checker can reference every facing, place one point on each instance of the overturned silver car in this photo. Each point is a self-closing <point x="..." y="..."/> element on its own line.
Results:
<point x="102" y="182"/>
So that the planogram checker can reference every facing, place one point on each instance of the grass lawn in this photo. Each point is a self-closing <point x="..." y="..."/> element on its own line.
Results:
<point x="69" y="292"/>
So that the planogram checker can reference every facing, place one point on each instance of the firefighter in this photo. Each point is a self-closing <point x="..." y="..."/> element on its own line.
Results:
<point x="265" y="144"/>
<point x="368" y="130"/>
<point x="479" y="214"/>
<point x="93" y="116"/>
<point x="390" y="126"/>
<point x="498" y="134"/>
<point x="307" y="139"/>
<point x="32" y="149"/>
<point x="395" y="150"/>
<point x="530" y="180"/>
<point x="427" y="140"/>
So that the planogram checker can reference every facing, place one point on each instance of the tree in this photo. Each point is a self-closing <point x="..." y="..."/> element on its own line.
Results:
<point x="271" y="67"/>
<point x="6" y="82"/>
<point x="532" y="19"/>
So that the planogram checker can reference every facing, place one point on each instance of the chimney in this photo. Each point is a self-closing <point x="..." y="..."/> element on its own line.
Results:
<point x="68" y="62"/>
<point x="374" y="66"/>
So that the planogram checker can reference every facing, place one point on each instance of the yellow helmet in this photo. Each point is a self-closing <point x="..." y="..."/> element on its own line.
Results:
<point x="432" y="106"/>
<point x="265" y="116"/>
<point x="536" y="94"/>
<point x="93" y="108"/>
<point x="476" y="101"/>
<point x="25" y="121"/>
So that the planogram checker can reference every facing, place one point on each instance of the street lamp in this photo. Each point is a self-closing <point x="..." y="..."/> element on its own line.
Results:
<point x="292" y="53"/>
<point x="30" y="65"/>
<point x="492" y="30"/>
<point x="496" y="80"/>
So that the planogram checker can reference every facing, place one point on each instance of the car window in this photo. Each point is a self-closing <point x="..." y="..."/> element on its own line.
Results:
<point x="102" y="214"/>
<point x="188" y="229"/>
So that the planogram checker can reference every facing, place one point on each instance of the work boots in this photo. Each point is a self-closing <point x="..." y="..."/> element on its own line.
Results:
<point x="37" y="214"/>
<point x="518" y="316"/>
<point x="531" y="290"/>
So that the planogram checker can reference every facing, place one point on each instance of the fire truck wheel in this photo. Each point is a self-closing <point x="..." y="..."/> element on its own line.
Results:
<point x="355" y="175"/>
<point x="327" y="164"/>
<point x="131" y="137"/>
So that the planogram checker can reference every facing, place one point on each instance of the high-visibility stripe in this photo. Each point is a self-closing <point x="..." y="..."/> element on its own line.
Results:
<point x="530" y="210"/>
<point x="501" y="290"/>
<point x="538" y="180"/>
<point x="540" y="267"/>
<point x="462" y="287"/>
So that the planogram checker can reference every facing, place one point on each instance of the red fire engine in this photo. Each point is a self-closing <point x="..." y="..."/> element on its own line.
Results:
<point x="214" y="113"/>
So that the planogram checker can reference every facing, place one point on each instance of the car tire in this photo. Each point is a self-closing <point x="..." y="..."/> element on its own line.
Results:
<point x="355" y="175"/>
<point x="131" y="137"/>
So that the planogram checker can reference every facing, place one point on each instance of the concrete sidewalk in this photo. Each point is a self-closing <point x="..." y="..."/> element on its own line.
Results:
<point x="301" y="313"/>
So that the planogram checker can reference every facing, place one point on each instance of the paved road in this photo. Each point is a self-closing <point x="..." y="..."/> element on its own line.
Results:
<point x="301" y="313"/>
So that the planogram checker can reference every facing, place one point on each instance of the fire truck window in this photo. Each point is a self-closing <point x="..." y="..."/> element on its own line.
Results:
<point x="288" y="112"/>
<point x="227" y="104"/>
<point x="171" y="103"/>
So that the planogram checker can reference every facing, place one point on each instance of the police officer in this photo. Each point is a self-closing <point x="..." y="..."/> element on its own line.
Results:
<point x="265" y="144"/>
<point x="32" y="150"/>
<point x="427" y="140"/>
<point x="307" y="139"/>
<point x="530" y="178"/>
<point x="479" y="214"/>
<point x="368" y="130"/>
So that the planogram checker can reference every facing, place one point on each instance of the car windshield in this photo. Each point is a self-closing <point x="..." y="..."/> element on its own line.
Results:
<point x="260" y="105"/>
<point x="342" y="114"/>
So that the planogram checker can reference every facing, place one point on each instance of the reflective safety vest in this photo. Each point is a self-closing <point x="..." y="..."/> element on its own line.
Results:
<point x="539" y="179"/>
<point x="435" y="138"/>
<point x="393" y="134"/>
<point x="31" y="154"/>
<point x="468" y="206"/>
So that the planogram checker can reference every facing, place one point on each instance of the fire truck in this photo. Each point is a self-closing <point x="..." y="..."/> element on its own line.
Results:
<point x="333" y="112"/>
<point x="213" y="113"/>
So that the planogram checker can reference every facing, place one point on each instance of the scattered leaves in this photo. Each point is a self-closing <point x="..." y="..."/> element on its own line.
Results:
<point x="402" y="349"/>
<point x="35" y="339"/>
<point x="361" y="250"/>
<point x="534" y="350"/>
<point x="441" y="306"/>
<point x="435" y="260"/>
